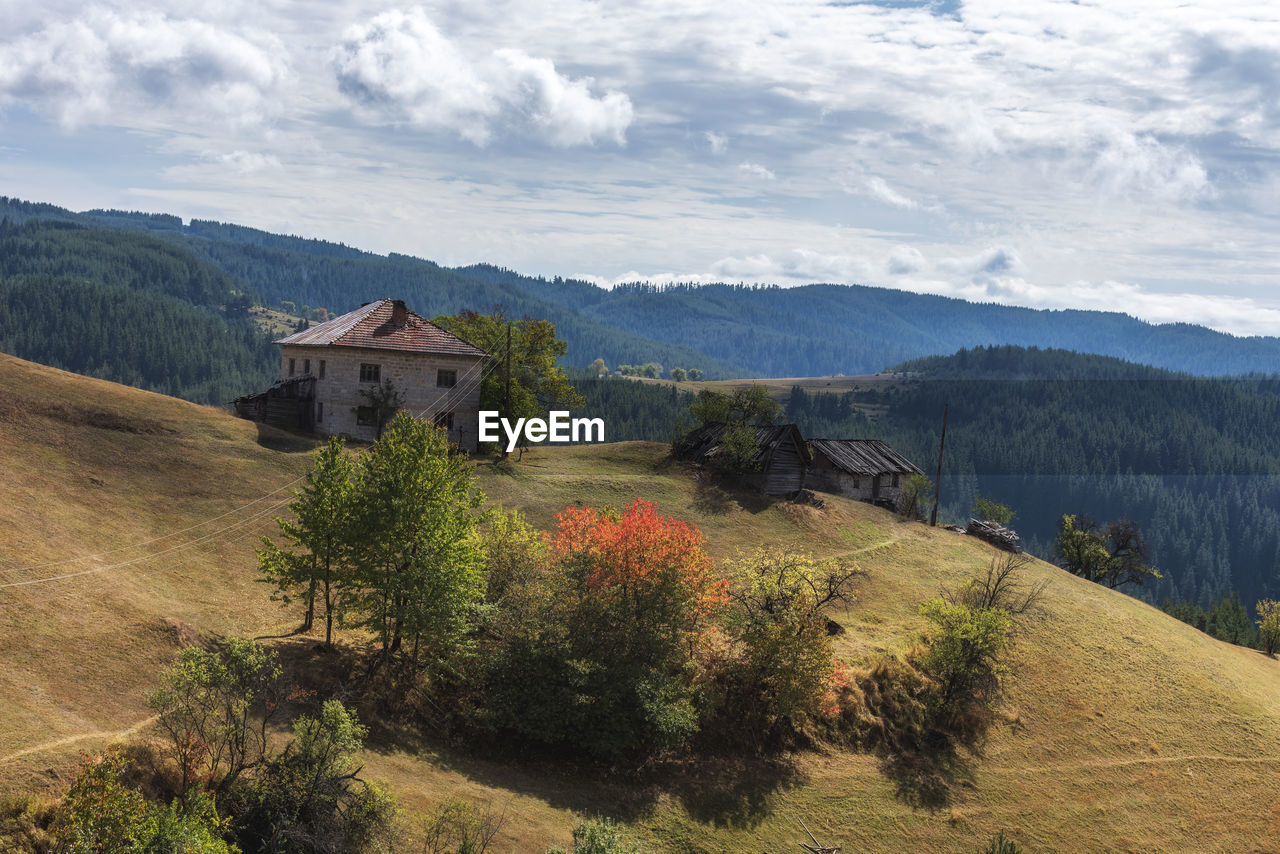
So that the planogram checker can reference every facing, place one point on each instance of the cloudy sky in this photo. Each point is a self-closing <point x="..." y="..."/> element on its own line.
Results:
<point x="1114" y="155"/>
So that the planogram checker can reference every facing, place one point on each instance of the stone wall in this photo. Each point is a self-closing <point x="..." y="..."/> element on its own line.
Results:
<point x="415" y="375"/>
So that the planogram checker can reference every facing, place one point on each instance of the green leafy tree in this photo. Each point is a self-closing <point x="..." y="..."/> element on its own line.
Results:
<point x="914" y="496"/>
<point x="536" y="379"/>
<point x="695" y="373"/>
<point x="1114" y="557"/>
<point x="747" y="406"/>
<point x="316" y="555"/>
<point x="1269" y="625"/>
<point x="992" y="511"/>
<point x="385" y="400"/>
<point x="600" y="367"/>
<point x="679" y="374"/>
<point x="417" y="557"/>
<point x="965" y="647"/>
<point x="214" y="709"/>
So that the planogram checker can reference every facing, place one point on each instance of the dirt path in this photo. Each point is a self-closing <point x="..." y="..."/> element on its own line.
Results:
<point x="72" y="739"/>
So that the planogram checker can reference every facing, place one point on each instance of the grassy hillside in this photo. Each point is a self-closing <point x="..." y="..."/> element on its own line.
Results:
<point x="1124" y="729"/>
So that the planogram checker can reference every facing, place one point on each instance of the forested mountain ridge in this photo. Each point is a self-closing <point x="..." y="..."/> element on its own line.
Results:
<point x="725" y="330"/>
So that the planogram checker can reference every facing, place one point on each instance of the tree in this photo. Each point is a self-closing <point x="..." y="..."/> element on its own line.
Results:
<point x="781" y="670"/>
<point x="695" y="373"/>
<point x="415" y="552"/>
<point x="536" y="379"/>
<point x="914" y="495"/>
<point x="992" y="511"/>
<point x="317" y="552"/>
<point x="385" y="400"/>
<point x="601" y="656"/>
<point x="1114" y="557"/>
<point x="965" y="646"/>
<point x="746" y="406"/>
<point x="311" y="798"/>
<point x="652" y="370"/>
<point x="214" y="709"/>
<point x="600" y="367"/>
<point x="1269" y="625"/>
<point x="679" y="374"/>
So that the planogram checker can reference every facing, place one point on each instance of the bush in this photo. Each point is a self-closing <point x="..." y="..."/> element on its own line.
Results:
<point x="457" y="827"/>
<point x="1269" y="625"/>
<point x="1000" y="845"/>
<point x="102" y="813"/>
<point x="597" y="836"/>
<point x="914" y="496"/>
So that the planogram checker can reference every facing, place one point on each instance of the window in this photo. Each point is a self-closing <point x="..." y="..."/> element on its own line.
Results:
<point x="320" y="412"/>
<point x="293" y="363"/>
<point x="444" y="419"/>
<point x="370" y="373"/>
<point x="365" y="416"/>
<point x="322" y="369"/>
<point x="446" y="379"/>
<point x="306" y="366"/>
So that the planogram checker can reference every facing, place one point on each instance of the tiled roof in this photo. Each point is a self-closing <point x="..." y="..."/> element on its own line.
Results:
<point x="371" y="326"/>
<point x="863" y="456"/>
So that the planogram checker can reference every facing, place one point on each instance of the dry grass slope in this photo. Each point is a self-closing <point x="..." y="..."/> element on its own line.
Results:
<point x="1126" y="730"/>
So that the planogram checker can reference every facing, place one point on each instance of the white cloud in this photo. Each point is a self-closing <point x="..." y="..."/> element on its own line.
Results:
<point x="994" y="260"/>
<point x="400" y="63"/>
<point x="756" y="170"/>
<point x="92" y="68"/>
<point x="718" y="143"/>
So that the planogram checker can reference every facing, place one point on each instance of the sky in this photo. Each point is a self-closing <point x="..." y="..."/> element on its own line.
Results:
<point x="1114" y="155"/>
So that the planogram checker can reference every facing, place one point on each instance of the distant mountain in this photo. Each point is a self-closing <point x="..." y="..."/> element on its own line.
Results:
<point x="726" y="330"/>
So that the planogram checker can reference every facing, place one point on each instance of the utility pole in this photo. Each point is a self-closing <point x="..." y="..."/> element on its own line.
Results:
<point x="937" y="487"/>
<point x="506" y="397"/>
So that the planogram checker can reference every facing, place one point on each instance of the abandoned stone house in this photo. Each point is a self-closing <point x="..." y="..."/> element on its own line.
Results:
<point x="864" y="469"/>
<point x="781" y="457"/>
<point x="324" y="369"/>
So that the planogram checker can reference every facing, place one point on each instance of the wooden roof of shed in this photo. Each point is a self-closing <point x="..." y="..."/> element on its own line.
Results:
<point x="371" y="326"/>
<point x="701" y="445"/>
<point x="863" y="456"/>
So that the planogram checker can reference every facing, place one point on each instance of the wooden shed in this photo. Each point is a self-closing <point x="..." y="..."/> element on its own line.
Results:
<point x="864" y="469"/>
<point x="782" y="455"/>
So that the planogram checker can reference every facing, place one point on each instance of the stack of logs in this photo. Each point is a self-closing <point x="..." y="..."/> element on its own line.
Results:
<point x="998" y="535"/>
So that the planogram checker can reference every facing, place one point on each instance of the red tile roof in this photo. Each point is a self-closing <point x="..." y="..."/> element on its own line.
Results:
<point x="371" y="326"/>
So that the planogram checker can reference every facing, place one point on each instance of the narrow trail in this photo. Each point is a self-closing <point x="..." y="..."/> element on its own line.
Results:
<point x="72" y="739"/>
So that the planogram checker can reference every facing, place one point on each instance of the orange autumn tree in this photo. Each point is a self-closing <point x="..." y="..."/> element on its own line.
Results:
<point x="640" y="564"/>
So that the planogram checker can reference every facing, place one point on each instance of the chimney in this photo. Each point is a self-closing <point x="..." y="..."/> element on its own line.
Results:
<point x="399" y="314"/>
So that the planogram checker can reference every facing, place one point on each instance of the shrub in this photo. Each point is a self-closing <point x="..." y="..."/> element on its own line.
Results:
<point x="457" y="827"/>
<point x="1000" y="845"/>
<point x="597" y="836"/>
<point x="102" y="813"/>
<point x="1003" y="586"/>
